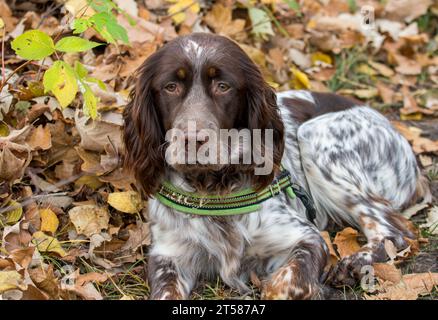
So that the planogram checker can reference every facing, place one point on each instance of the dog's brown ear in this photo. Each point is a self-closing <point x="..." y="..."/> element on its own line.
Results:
<point x="263" y="113"/>
<point x="143" y="133"/>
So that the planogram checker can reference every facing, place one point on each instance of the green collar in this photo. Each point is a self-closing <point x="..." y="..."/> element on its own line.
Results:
<point x="245" y="201"/>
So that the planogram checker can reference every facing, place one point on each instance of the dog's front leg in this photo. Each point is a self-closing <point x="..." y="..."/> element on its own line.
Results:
<point x="165" y="282"/>
<point x="299" y="277"/>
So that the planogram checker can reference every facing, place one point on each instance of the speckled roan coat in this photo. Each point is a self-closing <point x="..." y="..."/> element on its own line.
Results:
<point x="357" y="168"/>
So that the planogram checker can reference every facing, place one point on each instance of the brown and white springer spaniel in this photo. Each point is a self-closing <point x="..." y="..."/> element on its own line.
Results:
<point x="356" y="167"/>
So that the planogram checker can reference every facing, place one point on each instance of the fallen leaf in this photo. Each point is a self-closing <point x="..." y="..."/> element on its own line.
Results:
<point x="49" y="221"/>
<point x="128" y="201"/>
<point x="140" y="236"/>
<point x="333" y="255"/>
<point x="89" y="219"/>
<point x="387" y="272"/>
<point x="220" y="19"/>
<point x="300" y="79"/>
<point x="346" y="242"/>
<point x="382" y="69"/>
<point x="432" y="220"/>
<point x="40" y="138"/>
<point x="10" y="280"/>
<point x="45" y="243"/>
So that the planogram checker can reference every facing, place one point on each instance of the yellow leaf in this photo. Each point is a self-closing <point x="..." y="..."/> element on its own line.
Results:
<point x="366" y="69"/>
<point x="91" y="181"/>
<point x="413" y="116"/>
<point x="45" y="243"/>
<point x="128" y="202"/>
<point x="177" y="10"/>
<point x="49" y="221"/>
<point x="10" y="280"/>
<point x="300" y="79"/>
<point x="15" y="214"/>
<point x="2" y="23"/>
<point x="322" y="57"/>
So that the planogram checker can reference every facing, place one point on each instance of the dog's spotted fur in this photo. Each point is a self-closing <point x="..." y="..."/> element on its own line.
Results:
<point x="358" y="169"/>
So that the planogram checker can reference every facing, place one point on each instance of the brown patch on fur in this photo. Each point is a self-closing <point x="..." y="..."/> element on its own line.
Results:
<point x="163" y="280"/>
<point x="299" y="278"/>
<point x="303" y="110"/>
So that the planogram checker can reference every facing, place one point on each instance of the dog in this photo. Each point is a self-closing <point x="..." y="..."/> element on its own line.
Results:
<point x="357" y="169"/>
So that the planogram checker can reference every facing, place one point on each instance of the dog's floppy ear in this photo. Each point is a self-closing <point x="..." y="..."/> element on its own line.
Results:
<point x="263" y="113"/>
<point x="143" y="133"/>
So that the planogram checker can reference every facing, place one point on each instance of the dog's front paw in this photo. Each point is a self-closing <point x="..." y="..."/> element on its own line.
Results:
<point x="290" y="283"/>
<point x="350" y="269"/>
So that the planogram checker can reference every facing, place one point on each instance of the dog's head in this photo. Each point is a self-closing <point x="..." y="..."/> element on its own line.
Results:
<point x="193" y="86"/>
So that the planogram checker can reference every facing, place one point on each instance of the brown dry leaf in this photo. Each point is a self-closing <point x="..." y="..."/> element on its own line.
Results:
<point x="40" y="138"/>
<point x="6" y="14"/>
<point x="409" y="288"/>
<point x="385" y="92"/>
<point x="346" y="242"/>
<point x="45" y="280"/>
<point x="128" y="201"/>
<point x="15" y="156"/>
<point x="220" y="19"/>
<point x="49" y="221"/>
<point x="95" y="135"/>
<point x="82" y="286"/>
<point x="139" y="236"/>
<point x="406" y="10"/>
<point x="333" y="255"/>
<point x="382" y="69"/>
<point x="412" y="134"/>
<point x="407" y="66"/>
<point x="387" y="272"/>
<point x="89" y="219"/>
<point x="22" y="257"/>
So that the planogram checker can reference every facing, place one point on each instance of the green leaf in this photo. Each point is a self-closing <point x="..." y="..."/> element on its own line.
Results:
<point x="261" y="23"/>
<point x="80" y="70"/>
<point x="60" y="79"/>
<point x="90" y="106"/>
<point x="293" y="4"/>
<point x="117" y="31"/>
<point x="75" y="44"/>
<point x="81" y="25"/>
<point x="33" y="45"/>
<point x="99" y="82"/>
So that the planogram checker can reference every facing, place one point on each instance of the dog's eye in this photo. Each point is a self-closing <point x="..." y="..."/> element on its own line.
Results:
<point x="171" y="87"/>
<point x="223" y="87"/>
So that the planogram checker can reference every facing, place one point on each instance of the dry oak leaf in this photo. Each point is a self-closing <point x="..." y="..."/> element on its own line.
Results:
<point x="138" y="236"/>
<point x="346" y="242"/>
<point x="89" y="219"/>
<point x="406" y="10"/>
<point x="128" y="201"/>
